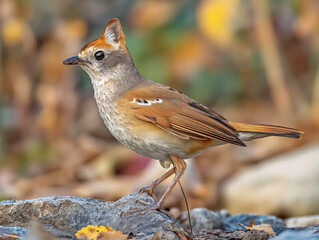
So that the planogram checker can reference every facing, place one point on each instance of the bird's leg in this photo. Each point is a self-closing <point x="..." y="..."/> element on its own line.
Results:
<point x="179" y="167"/>
<point x="150" y="188"/>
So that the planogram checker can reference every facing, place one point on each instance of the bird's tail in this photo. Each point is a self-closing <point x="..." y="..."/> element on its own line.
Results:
<point x="249" y="132"/>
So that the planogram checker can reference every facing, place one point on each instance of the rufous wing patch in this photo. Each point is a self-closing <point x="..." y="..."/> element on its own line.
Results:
<point x="170" y="111"/>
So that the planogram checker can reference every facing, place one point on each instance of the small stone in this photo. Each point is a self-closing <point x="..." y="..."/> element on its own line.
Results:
<point x="293" y="235"/>
<point x="201" y="218"/>
<point x="277" y="185"/>
<point x="232" y="223"/>
<point x="302" y="221"/>
<point x="159" y="235"/>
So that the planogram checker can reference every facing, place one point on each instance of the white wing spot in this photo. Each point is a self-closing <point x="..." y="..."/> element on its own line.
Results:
<point x="147" y="102"/>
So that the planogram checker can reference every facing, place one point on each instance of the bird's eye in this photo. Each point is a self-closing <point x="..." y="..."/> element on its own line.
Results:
<point x="99" y="55"/>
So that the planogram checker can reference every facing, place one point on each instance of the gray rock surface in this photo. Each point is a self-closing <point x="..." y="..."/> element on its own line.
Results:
<point x="201" y="218"/>
<point x="231" y="223"/>
<point x="293" y="235"/>
<point x="70" y="214"/>
<point x="237" y="235"/>
<point x="62" y="217"/>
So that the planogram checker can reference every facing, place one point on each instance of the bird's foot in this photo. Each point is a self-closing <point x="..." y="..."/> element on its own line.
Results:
<point x="150" y="190"/>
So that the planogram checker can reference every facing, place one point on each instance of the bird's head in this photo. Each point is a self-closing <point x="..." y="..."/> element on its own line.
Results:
<point x="100" y="56"/>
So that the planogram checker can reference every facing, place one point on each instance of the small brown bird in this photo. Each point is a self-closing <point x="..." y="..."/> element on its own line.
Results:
<point x="153" y="119"/>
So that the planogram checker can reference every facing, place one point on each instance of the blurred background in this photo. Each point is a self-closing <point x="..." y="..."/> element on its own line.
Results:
<point x="252" y="61"/>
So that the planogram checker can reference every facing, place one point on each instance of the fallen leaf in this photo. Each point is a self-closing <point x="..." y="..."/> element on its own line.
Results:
<point x="262" y="227"/>
<point x="91" y="232"/>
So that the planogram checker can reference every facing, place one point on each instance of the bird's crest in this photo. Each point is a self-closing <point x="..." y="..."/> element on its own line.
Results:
<point x="112" y="38"/>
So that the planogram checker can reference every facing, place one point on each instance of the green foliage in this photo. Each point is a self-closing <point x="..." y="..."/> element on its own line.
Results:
<point x="214" y="86"/>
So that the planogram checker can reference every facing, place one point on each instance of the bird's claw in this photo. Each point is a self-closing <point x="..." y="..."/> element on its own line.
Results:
<point x="149" y="190"/>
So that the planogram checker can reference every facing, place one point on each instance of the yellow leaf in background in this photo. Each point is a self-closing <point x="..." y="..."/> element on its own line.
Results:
<point x="91" y="232"/>
<point x="12" y="31"/>
<point x="262" y="227"/>
<point x="215" y="20"/>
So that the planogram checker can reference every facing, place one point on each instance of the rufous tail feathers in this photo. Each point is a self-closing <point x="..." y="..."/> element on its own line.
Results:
<point x="249" y="132"/>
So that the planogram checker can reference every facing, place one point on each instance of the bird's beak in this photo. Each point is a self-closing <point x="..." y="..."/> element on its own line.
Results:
<point x="75" y="60"/>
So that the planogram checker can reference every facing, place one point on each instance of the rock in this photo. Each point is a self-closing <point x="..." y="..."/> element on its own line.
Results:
<point x="302" y="221"/>
<point x="64" y="216"/>
<point x="159" y="235"/>
<point x="286" y="185"/>
<point x="61" y="217"/>
<point x="312" y="229"/>
<point x="236" y="235"/>
<point x="232" y="223"/>
<point x="293" y="235"/>
<point x="226" y="226"/>
<point x="201" y="218"/>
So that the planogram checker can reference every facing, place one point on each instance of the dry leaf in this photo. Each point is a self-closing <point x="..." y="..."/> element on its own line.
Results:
<point x="262" y="227"/>
<point x="91" y="232"/>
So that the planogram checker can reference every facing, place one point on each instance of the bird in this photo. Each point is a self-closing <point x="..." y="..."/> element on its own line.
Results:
<point x="156" y="120"/>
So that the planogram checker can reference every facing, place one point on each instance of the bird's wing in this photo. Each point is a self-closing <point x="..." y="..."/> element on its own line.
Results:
<point x="176" y="113"/>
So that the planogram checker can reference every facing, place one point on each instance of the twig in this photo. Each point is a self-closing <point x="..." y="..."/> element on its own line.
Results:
<point x="186" y="203"/>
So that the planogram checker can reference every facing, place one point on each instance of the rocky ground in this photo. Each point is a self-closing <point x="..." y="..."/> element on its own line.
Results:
<point x="62" y="217"/>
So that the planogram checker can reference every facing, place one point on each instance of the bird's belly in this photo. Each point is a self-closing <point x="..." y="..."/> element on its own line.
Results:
<point x="154" y="142"/>
<point x="149" y="146"/>
<point x="150" y="140"/>
<point x="145" y="144"/>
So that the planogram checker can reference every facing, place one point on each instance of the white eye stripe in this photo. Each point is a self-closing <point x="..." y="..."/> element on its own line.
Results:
<point x="147" y="102"/>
